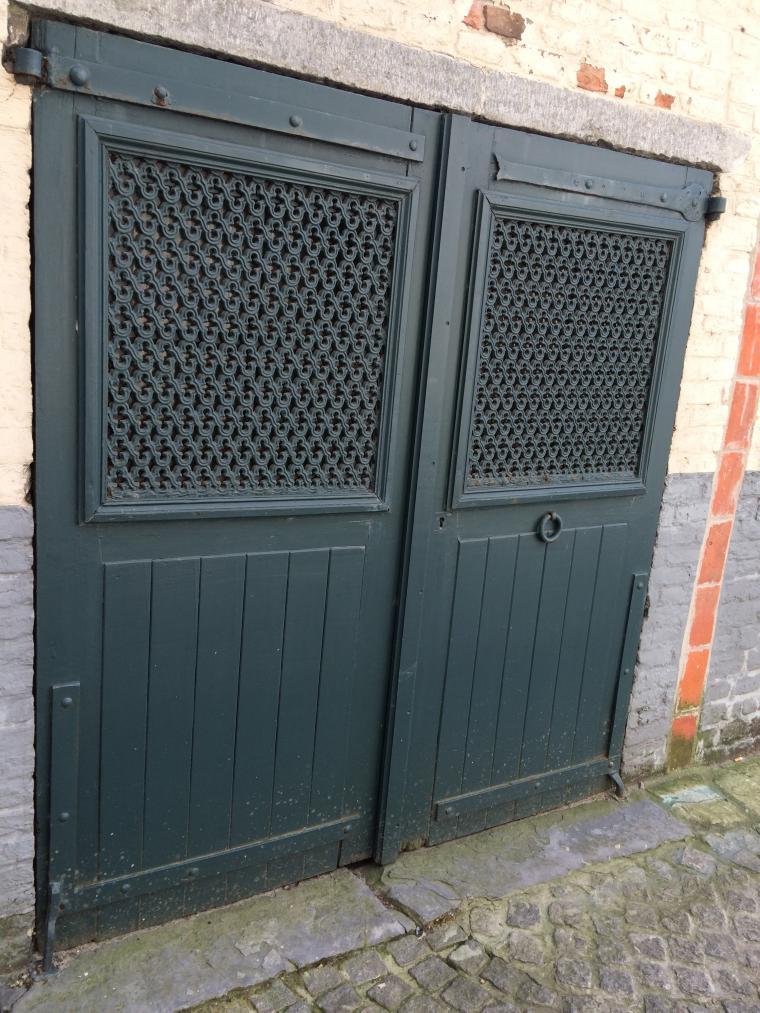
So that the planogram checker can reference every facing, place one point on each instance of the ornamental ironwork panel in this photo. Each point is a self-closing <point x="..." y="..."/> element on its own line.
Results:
<point x="567" y="345"/>
<point x="248" y="327"/>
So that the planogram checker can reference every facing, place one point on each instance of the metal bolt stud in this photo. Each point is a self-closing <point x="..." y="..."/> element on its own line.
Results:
<point x="588" y="184"/>
<point x="448" y="811"/>
<point x="64" y="817"/>
<point x="663" y="197"/>
<point x="66" y="702"/>
<point x="296" y="121"/>
<point x="161" y="95"/>
<point x="79" y="75"/>
<point x="413" y="145"/>
<point x="125" y="888"/>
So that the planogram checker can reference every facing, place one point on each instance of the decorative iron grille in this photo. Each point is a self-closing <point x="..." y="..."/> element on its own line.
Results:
<point x="566" y="353"/>
<point x="248" y="329"/>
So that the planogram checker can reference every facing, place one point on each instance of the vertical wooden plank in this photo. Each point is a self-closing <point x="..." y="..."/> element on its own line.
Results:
<point x="489" y="662"/>
<point x="220" y="614"/>
<point x="543" y="676"/>
<point x="171" y="690"/>
<point x="344" y="596"/>
<point x="460" y="665"/>
<point x="299" y="693"/>
<point x="580" y="595"/>
<point x="338" y="663"/>
<point x="605" y="642"/>
<point x="126" y="642"/>
<point x="518" y="658"/>
<point x="266" y="588"/>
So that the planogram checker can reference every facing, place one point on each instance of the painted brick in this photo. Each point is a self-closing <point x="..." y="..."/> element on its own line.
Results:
<point x="683" y="517"/>
<point x="685" y="727"/>
<point x="727" y="484"/>
<point x="755" y="288"/>
<point x="703" y="619"/>
<point x="749" y="359"/>
<point x="742" y="415"/>
<point x="714" y="553"/>
<point x="693" y="681"/>
<point x="16" y="731"/>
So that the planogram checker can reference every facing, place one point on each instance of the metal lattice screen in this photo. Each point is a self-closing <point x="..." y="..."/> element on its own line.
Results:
<point x="566" y="353"/>
<point x="248" y="327"/>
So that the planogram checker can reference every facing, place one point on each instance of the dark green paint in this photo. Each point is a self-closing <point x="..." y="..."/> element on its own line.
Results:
<point x="267" y="688"/>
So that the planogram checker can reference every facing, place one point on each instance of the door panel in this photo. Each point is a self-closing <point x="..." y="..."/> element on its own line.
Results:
<point x="557" y="341"/>
<point x="228" y="346"/>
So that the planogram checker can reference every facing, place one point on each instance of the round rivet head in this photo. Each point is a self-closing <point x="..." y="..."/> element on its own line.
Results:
<point x="295" y="121"/>
<point x="66" y="702"/>
<point x="79" y="75"/>
<point x="192" y="873"/>
<point x="663" y="197"/>
<point x="64" y="817"/>
<point x="125" y="888"/>
<point x="413" y="145"/>
<point x="161" y="94"/>
<point x="588" y="184"/>
<point x="448" y="811"/>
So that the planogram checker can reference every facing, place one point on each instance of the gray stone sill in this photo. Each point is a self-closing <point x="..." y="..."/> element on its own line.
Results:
<point x="257" y="32"/>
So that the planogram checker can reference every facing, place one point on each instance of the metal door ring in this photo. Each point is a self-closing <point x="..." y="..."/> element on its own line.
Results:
<point x="549" y="527"/>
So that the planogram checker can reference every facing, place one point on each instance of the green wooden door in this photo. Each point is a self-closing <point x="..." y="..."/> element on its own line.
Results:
<point x="563" y="296"/>
<point x="230" y="273"/>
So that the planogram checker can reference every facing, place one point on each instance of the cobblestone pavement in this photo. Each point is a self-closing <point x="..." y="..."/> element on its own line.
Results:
<point x="670" y="930"/>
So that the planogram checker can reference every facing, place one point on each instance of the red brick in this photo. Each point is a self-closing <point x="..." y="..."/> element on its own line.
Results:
<point x="693" y="681"/>
<point x="703" y="620"/>
<point x="663" y="100"/>
<point x="474" y="17"/>
<point x="755" y="290"/>
<point x="741" y="417"/>
<point x="749" y="355"/>
<point x="504" y="22"/>
<point x="684" y="727"/>
<point x="591" y="78"/>
<point x="715" y="551"/>
<point x="730" y="475"/>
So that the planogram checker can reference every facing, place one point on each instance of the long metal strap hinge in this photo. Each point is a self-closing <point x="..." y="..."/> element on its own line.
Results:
<point x="28" y="65"/>
<point x="692" y="201"/>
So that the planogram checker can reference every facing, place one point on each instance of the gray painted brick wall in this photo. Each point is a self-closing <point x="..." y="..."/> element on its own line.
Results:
<point x="731" y="715"/>
<point x="676" y="555"/>
<point x="16" y="734"/>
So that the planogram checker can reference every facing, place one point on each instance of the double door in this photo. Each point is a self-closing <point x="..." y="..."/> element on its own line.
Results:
<point x="352" y="422"/>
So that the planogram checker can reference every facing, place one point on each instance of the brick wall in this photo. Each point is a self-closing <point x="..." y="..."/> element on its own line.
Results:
<point x="731" y="716"/>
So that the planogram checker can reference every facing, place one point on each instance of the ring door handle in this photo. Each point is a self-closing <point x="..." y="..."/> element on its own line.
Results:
<point x="549" y="527"/>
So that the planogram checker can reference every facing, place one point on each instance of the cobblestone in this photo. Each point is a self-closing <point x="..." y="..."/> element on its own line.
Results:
<point x="672" y="930"/>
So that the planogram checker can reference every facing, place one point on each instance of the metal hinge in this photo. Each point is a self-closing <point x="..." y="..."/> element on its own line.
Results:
<point x="28" y="64"/>
<point x="715" y="207"/>
<point x="692" y="201"/>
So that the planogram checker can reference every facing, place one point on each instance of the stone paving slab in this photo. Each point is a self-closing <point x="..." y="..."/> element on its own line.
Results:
<point x="742" y="781"/>
<point x="174" y="966"/>
<point x="432" y="882"/>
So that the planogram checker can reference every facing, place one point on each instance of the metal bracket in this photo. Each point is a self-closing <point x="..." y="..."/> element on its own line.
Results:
<point x="28" y="64"/>
<point x="692" y="201"/>
<point x="55" y="905"/>
<point x="617" y="780"/>
<point x="64" y="765"/>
